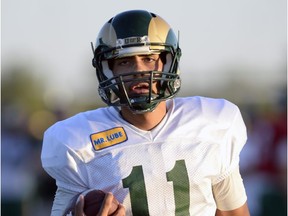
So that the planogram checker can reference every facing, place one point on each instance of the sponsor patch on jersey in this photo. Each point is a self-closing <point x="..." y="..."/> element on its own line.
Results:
<point x="108" y="138"/>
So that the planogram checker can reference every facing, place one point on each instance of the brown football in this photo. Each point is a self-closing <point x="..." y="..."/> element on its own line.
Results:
<point x="93" y="201"/>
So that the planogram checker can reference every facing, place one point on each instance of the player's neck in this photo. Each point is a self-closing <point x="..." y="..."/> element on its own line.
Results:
<point x="145" y="121"/>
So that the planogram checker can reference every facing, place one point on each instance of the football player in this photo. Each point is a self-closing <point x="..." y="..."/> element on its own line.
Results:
<point x="156" y="153"/>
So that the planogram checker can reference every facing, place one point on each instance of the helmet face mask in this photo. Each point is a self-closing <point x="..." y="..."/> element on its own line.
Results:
<point x="135" y="33"/>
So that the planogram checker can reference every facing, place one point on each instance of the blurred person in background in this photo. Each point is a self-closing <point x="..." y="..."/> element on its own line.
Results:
<point x="264" y="159"/>
<point x="26" y="190"/>
<point x="18" y="179"/>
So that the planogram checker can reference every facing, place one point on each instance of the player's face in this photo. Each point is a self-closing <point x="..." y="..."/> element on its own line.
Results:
<point x="138" y="63"/>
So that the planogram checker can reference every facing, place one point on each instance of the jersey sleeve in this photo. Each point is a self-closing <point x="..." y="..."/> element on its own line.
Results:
<point x="64" y="165"/>
<point x="232" y="143"/>
<point x="64" y="202"/>
<point x="230" y="193"/>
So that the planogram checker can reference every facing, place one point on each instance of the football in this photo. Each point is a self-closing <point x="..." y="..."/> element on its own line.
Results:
<point x="93" y="201"/>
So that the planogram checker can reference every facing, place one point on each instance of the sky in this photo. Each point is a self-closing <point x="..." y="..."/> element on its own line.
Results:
<point x="223" y="40"/>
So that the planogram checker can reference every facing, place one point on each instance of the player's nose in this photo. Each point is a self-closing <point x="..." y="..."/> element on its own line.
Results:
<point x="139" y="66"/>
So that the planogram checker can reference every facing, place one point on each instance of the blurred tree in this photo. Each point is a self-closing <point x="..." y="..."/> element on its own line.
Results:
<point x="20" y="86"/>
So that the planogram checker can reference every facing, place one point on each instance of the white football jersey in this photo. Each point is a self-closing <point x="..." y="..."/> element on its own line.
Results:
<point x="167" y="171"/>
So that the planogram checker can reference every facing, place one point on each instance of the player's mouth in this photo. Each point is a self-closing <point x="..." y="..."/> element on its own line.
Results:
<point x="139" y="88"/>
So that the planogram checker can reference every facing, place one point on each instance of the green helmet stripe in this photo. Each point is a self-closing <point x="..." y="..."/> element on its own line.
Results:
<point x="132" y="23"/>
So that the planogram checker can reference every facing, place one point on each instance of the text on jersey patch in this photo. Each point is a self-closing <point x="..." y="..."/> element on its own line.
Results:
<point x="108" y="138"/>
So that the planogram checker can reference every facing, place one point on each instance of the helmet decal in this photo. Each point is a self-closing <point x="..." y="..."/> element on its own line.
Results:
<point x="132" y="40"/>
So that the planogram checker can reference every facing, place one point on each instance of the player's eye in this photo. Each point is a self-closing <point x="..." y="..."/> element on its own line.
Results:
<point x="123" y="62"/>
<point x="149" y="59"/>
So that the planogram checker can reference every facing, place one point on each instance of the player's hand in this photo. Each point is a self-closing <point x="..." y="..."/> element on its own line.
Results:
<point x="107" y="203"/>
<point x="79" y="207"/>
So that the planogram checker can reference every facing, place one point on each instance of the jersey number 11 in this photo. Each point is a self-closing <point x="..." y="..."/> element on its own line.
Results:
<point x="136" y="184"/>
